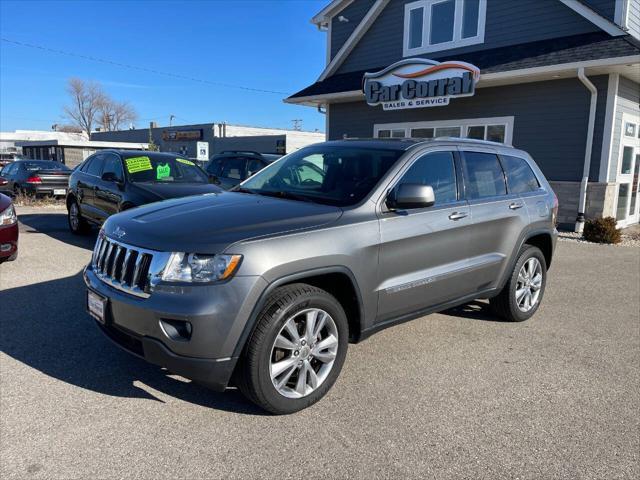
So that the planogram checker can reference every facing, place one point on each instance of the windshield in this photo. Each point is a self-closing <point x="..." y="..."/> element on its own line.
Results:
<point x="163" y="169"/>
<point x="33" y="166"/>
<point x="333" y="175"/>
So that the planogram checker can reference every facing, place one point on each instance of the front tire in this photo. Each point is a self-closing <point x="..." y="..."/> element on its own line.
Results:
<point x="522" y="295"/>
<point x="296" y="351"/>
<point x="77" y="224"/>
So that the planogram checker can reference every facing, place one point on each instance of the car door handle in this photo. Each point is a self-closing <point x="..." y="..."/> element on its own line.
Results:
<point x="516" y="205"/>
<point x="457" y="216"/>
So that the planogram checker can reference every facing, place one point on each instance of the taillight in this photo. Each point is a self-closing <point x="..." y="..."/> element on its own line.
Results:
<point x="554" y="210"/>
<point x="34" y="179"/>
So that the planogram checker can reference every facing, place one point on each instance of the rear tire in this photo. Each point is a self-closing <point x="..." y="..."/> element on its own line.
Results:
<point x="296" y="351"/>
<point x="523" y="292"/>
<point x="77" y="224"/>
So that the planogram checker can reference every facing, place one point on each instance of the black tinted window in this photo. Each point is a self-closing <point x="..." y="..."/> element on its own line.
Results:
<point x="483" y="175"/>
<point x="254" y="165"/>
<point x="520" y="177"/>
<point x="215" y="167"/>
<point x="233" y="168"/>
<point x="95" y="167"/>
<point x="438" y="170"/>
<point x="43" y="165"/>
<point x="112" y="164"/>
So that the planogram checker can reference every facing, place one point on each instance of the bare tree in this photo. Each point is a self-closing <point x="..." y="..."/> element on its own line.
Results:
<point x="114" y="115"/>
<point x="86" y="102"/>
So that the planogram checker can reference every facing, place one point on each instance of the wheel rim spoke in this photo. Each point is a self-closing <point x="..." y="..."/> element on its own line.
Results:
<point x="284" y="343"/>
<point x="301" y="384"/>
<point x="310" y="327"/>
<point x="291" y="329"/>
<point x="284" y="378"/>
<point x="279" y="367"/>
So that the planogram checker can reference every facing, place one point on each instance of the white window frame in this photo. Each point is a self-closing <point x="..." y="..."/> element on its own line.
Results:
<point x="457" y="41"/>
<point x="464" y="125"/>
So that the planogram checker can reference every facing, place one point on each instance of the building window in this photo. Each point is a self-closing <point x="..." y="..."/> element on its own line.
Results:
<point x="434" y="25"/>
<point x="496" y="129"/>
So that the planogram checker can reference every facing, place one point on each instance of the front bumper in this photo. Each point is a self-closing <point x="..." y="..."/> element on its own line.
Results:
<point x="218" y="315"/>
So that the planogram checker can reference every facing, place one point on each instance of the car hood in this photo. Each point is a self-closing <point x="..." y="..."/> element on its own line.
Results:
<point x="164" y="191"/>
<point x="211" y="223"/>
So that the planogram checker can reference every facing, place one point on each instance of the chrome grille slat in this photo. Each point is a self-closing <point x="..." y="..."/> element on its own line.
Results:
<point x="136" y="271"/>
<point x="125" y="267"/>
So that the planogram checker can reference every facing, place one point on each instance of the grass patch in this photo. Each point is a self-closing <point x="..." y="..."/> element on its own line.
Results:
<point x="22" y="200"/>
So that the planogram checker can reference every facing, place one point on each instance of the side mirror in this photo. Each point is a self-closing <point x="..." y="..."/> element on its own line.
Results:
<point x="412" y="195"/>
<point x="110" y="177"/>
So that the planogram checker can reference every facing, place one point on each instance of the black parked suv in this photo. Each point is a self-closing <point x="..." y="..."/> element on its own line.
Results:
<point x="112" y="181"/>
<point x="229" y="168"/>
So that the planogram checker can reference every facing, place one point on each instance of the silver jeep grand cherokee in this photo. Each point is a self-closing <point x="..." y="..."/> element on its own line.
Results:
<point x="264" y="286"/>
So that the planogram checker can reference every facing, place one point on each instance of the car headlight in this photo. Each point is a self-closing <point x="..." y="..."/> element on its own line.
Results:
<point x="8" y="216"/>
<point x="193" y="267"/>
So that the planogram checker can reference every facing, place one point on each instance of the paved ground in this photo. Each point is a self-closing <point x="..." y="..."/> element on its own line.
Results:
<point x="449" y="395"/>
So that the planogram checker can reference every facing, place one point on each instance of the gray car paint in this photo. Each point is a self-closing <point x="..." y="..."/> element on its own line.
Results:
<point x="401" y="262"/>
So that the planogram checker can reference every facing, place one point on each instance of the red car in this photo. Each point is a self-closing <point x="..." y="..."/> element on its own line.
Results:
<point x="8" y="230"/>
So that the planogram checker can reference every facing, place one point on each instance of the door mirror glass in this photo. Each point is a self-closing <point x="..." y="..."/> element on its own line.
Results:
<point x="413" y="195"/>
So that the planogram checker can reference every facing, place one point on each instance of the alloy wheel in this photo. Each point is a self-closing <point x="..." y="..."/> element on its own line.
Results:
<point x="74" y="216"/>
<point x="529" y="284"/>
<point x="303" y="353"/>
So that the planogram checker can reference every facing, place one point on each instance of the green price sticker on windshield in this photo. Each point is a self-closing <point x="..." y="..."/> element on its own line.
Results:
<point x="186" y="162"/>
<point x="138" y="164"/>
<point x="163" y="171"/>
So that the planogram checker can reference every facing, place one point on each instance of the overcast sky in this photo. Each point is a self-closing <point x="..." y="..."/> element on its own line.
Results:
<point x="259" y="44"/>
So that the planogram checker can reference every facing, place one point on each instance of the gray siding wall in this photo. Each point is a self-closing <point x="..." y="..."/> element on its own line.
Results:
<point x="628" y="101"/>
<point x="508" y="22"/>
<point x="550" y="120"/>
<point x="606" y="8"/>
<point x="633" y="17"/>
<point x="340" y="31"/>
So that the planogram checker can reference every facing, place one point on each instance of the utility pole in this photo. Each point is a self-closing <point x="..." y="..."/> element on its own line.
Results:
<point x="297" y="124"/>
<point x="171" y="117"/>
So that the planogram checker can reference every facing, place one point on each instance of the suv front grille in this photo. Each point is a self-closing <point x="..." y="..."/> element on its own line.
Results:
<point x="122" y="266"/>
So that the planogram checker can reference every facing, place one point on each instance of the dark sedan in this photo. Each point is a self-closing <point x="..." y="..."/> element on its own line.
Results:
<point x="111" y="181"/>
<point x="36" y="177"/>
<point x="8" y="230"/>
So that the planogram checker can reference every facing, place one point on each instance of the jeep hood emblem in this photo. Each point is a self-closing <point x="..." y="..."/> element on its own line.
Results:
<point x="119" y="232"/>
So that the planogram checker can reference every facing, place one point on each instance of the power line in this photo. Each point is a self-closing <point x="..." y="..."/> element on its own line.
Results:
<point x="137" y="67"/>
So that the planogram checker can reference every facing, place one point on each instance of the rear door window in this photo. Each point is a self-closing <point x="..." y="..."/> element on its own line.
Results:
<point x="520" y="177"/>
<point x="438" y="170"/>
<point x="483" y="175"/>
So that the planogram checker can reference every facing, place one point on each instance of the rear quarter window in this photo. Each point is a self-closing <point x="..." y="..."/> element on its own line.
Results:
<point x="483" y="175"/>
<point x="520" y="177"/>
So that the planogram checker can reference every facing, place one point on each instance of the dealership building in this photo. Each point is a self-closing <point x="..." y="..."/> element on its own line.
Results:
<point x="557" y="78"/>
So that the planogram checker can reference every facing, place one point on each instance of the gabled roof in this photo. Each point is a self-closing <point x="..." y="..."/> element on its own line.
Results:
<point x="336" y="6"/>
<point x="594" y="17"/>
<point x="553" y="52"/>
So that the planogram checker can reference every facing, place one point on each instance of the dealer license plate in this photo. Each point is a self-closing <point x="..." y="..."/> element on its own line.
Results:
<point x="96" y="305"/>
<point x="59" y="191"/>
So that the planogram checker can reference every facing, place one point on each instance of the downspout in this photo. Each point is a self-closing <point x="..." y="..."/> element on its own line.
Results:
<point x="587" y="154"/>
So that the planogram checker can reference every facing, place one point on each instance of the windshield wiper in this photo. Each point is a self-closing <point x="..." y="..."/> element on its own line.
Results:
<point x="243" y="190"/>
<point x="283" y="194"/>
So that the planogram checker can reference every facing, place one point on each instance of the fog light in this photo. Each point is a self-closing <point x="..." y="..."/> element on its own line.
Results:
<point x="177" y="330"/>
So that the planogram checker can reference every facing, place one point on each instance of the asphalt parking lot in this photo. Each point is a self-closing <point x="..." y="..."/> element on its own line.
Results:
<point x="458" y="394"/>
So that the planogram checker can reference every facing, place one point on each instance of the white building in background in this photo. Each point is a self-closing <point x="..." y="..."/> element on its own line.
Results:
<point x="8" y="140"/>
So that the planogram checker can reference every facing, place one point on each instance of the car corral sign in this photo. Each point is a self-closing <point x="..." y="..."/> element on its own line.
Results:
<point x="418" y="83"/>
